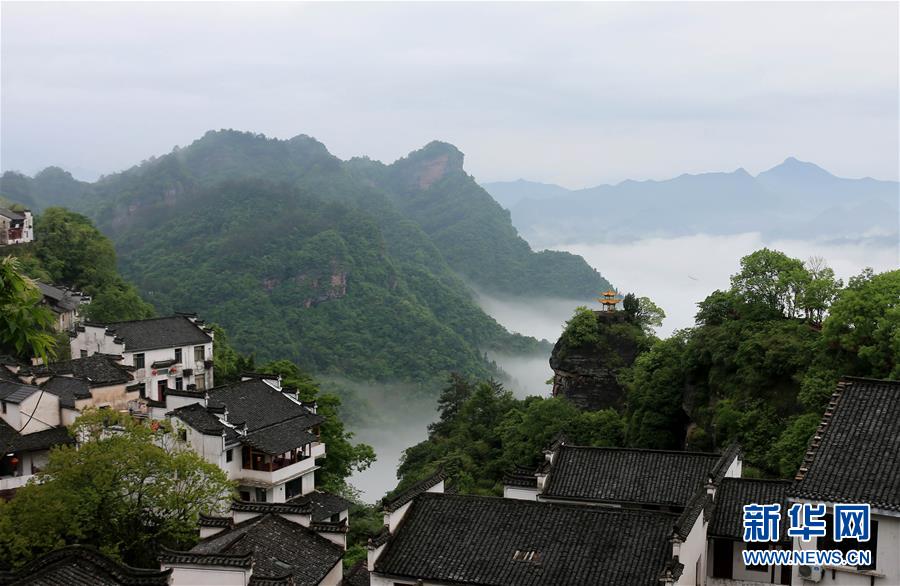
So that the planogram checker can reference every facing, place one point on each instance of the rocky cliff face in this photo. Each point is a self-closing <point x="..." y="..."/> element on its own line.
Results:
<point x="587" y="375"/>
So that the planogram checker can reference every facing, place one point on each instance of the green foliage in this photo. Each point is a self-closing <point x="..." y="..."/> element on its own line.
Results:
<point x="26" y="327"/>
<point x="483" y="432"/>
<point x="126" y="490"/>
<point x="291" y="276"/>
<point x="69" y="250"/>
<point x="758" y="368"/>
<point x="582" y="329"/>
<point x="862" y="332"/>
<point x="787" y="452"/>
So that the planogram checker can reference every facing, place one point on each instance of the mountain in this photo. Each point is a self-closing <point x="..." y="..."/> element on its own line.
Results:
<point x="792" y="200"/>
<point x="509" y="193"/>
<point x="352" y="267"/>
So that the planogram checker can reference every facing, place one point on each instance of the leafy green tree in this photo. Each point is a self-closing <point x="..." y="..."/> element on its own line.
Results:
<point x="26" y="326"/>
<point x="772" y="279"/>
<point x="582" y="328"/>
<point x="126" y="489"/>
<point x="862" y="331"/>
<point x="819" y="289"/>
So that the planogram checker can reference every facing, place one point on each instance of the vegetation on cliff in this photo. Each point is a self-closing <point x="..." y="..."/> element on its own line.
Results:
<point x="69" y="251"/>
<point x="346" y="268"/>
<point x="759" y="368"/>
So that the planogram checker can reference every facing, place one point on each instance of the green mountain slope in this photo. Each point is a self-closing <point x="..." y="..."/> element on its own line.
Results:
<point x="349" y="268"/>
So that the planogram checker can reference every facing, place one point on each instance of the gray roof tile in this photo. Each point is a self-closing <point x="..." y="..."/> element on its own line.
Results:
<point x="854" y="456"/>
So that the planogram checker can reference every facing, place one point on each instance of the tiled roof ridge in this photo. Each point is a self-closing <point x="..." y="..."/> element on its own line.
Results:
<point x="380" y="538"/>
<point x="642" y="450"/>
<point x="528" y="503"/>
<point x="769" y="480"/>
<point x="287" y="508"/>
<point x="329" y="527"/>
<point x="420" y="487"/>
<point x="127" y="575"/>
<point x="816" y="440"/>
<point x="131" y="321"/>
<point x="699" y="501"/>
<point x="244" y="560"/>
<point x="213" y="521"/>
<point x="729" y="454"/>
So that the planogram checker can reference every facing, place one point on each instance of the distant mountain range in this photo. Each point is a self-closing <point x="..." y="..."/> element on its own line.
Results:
<point x="794" y="200"/>
<point x="355" y="268"/>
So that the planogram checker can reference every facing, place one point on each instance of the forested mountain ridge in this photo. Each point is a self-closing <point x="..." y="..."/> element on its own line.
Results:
<point x="335" y="265"/>
<point x="429" y="188"/>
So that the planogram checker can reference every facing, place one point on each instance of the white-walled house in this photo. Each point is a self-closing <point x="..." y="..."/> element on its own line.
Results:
<point x="65" y="305"/>
<point x="29" y="427"/>
<point x="16" y="227"/>
<point x="100" y="381"/>
<point x="259" y="433"/>
<point x="174" y="352"/>
<point x="260" y="543"/>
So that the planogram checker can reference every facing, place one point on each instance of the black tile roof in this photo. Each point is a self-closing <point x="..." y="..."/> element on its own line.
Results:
<point x="198" y="417"/>
<point x="258" y="405"/>
<point x="854" y="456"/>
<point x="322" y="504"/>
<point x="521" y="477"/>
<point x="68" y="389"/>
<point x="11" y="214"/>
<point x="208" y="521"/>
<point x="98" y="369"/>
<point x="59" y="299"/>
<point x="158" y="332"/>
<point x="279" y="548"/>
<point x="727" y="519"/>
<point x="395" y="502"/>
<point x="8" y="375"/>
<point x="283" y="437"/>
<point x="619" y="475"/>
<point x="13" y="441"/>
<point x="16" y="392"/>
<point x="475" y="540"/>
<point x="79" y="564"/>
<point x="286" y="508"/>
<point x="358" y="575"/>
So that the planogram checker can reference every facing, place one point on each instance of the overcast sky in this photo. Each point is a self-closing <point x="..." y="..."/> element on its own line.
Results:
<point x="576" y="94"/>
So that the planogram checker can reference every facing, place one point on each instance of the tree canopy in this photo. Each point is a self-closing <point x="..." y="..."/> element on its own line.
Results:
<point x="127" y="489"/>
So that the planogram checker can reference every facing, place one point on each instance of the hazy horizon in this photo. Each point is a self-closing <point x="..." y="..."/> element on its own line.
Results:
<point x="570" y="94"/>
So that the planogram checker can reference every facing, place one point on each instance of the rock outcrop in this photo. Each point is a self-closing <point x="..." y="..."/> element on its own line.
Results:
<point x="587" y="375"/>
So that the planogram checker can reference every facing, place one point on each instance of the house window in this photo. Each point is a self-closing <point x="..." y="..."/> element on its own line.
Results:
<point x="178" y="355"/>
<point x="182" y="435"/>
<point x="200" y="382"/>
<point x="84" y="353"/>
<point x="4" y="406"/>
<point x="139" y="361"/>
<point x="229" y="455"/>
<point x="199" y="353"/>
<point x="261" y="495"/>
<point x="161" y="390"/>
<point x="179" y="383"/>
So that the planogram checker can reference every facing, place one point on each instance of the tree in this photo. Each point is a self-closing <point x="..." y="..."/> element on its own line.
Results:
<point x="770" y="278"/>
<point x="26" y="326"/>
<point x="649" y="315"/>
<point x="862" y="331"/>
<point x="819" y="290"/>
<point x="126" y="489"/>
